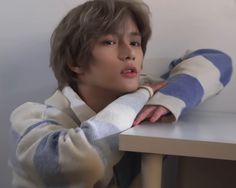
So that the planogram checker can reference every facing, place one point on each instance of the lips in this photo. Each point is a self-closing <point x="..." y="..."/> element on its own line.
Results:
<point x="129" y="72"/>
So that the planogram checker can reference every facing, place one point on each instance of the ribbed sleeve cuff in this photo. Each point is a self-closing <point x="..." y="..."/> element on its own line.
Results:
<point x="173" y="104"/>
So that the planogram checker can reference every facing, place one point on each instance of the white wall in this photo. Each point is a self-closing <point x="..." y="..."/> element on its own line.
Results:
<point x="26" y="26"/>
<point x="191" y="24"/>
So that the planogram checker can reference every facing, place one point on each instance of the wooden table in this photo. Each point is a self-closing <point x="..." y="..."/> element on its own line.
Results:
<point x="196" y="134"/>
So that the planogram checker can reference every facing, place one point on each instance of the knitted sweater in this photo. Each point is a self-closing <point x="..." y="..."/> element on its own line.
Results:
<point x="64" y="143"/>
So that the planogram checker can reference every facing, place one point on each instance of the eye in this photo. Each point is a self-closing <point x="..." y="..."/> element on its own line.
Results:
<point x="135" y="43"/>
<point x="108" y="42"/>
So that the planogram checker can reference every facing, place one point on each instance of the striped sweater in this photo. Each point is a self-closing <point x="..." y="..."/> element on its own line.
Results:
<point x="64" y="143"/>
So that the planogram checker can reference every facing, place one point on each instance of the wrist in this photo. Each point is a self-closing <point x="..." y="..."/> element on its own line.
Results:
<point x="148" y="88"/>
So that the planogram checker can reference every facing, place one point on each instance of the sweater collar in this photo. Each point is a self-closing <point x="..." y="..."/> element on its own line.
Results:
<point x="68" y="98"/>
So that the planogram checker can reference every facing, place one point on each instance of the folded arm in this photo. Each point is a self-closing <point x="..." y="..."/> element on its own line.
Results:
<point x="49" y="149"/>
<point x="191" y="80"/>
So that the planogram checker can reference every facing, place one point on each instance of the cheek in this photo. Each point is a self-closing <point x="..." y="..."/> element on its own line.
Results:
<point x="140" y="59"/>
<point x="106" y="62"/>
<point x="105" y="72"/>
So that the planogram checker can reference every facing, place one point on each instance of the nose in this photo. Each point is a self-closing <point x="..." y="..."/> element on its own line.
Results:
<point x="126" y="53"/>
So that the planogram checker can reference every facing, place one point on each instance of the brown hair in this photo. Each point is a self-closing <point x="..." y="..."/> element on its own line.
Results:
<point x="73" y="38"/>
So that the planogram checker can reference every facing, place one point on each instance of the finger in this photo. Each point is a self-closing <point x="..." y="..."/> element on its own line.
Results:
<point x="144" y="114"/>
<point x="159" y="112"/>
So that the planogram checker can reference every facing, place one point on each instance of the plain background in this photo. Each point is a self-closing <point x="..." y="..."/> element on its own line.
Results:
<point x="178" y="25"/>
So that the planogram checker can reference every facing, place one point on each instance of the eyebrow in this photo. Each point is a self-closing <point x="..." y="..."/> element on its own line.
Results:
<point x="135" y="33"/>
<point x="132" y="33"/>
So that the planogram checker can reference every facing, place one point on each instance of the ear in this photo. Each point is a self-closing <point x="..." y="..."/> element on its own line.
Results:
<point x="76" y="68"/>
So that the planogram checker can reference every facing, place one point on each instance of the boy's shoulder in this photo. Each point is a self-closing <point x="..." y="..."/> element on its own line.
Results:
<point x="26" y="110"/>
<point x="26" y="115"/>
<point x="55" y="108"/>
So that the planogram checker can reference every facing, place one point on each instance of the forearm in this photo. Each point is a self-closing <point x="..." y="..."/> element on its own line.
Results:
<point x="194" y="79"/>
<point x="117" y="116"/>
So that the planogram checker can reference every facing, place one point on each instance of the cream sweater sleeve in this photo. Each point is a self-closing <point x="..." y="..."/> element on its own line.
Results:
<point x="192" y="79"/>
<point x="50" y="150"/>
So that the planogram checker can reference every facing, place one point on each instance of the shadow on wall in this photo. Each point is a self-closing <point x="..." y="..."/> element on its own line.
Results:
<point x="156" y="66"/>
<point x="25" y="76"/>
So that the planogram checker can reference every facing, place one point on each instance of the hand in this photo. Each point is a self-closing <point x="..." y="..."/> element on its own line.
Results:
<point x="153" y="113"/>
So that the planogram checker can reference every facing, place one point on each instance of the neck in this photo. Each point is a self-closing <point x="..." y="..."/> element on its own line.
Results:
<point x="96" y="98"/>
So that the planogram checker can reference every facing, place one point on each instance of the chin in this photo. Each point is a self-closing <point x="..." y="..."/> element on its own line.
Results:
<point x="127" y="87"/>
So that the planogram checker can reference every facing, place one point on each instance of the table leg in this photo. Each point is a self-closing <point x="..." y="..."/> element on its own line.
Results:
<point x="151" y="170"/>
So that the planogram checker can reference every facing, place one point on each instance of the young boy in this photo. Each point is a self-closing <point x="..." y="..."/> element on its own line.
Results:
<point x="96" y="54"/>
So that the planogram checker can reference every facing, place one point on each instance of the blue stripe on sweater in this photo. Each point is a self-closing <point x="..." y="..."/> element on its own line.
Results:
<point x="44" y="122"/>
<point x="219" y="59"/>
<point x="46" y="161"/>
<point x="186" y="88"/>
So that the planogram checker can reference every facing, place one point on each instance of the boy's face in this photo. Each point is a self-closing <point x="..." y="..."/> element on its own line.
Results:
<point x="116" y="61"/>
